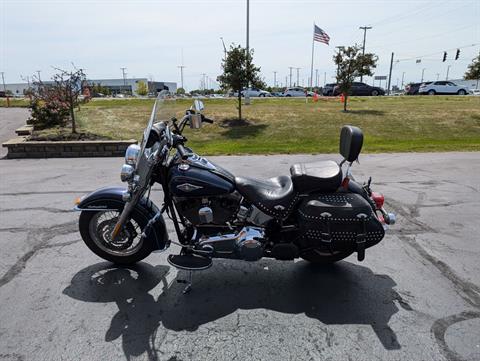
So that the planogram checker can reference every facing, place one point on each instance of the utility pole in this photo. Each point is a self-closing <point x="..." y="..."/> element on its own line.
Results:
<point x="438" y="75"/>
<point x="423" y="71"/>
<point x="298" y="73"/>
<point x="364" y="28"/>
<point x="316" y="78"/>
<point x="38" y="72"/>
<point x="203" y="81"/>
<point x="5" y="90"/>
<point x="124" y="79"/>
<point x="390" y="75"/>
<point x="324" y="78"/>
<point x="403" y="77"/>
<point x="448" y="69"/>
<point x="181" y="74"/>
<point x="247" y="95"/>
<point x="286" y="80"/>
<point x="290" y="67"/>
<point x="274" y="79"/>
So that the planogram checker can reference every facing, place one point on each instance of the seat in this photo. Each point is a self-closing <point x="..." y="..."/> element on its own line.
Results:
<point x="275" y="196"/>
<point x="323" y="176"/>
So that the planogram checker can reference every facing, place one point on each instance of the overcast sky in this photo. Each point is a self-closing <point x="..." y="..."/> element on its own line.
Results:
<point x="148" y="37"/>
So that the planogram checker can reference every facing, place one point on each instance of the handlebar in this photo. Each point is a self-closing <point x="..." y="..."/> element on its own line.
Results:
<point x="178" y="144"/>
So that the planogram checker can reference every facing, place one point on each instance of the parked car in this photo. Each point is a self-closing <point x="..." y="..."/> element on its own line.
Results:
<point x="255" y="92"/>
<point x="294" y="92"/>
<point x="361" y="89"/>
<point x="412" y="88"/>
<point x="475" y="92"/>
<point x="277" y="94"/>
<point x="328" y="89"/>
<point x="442" y="87"/>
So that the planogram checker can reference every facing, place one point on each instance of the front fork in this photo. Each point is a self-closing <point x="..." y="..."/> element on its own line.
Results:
<point x="125" y="215"/>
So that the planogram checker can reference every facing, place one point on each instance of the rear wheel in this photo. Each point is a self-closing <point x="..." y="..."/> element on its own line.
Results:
<point x="319" y="257"/>
<point x="96" y="229"/>
<point x="431" y="92"/>
<point x="374" y="93"/>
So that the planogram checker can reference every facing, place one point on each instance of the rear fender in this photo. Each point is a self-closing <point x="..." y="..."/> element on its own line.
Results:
<point x="110" y="199"/>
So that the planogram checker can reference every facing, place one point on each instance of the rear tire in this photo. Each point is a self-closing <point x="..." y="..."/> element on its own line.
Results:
<point x="374" y="93"/>
<point x="316" y="258"/>
<point x="431" y="92"/>
<point x="96" y="242"/>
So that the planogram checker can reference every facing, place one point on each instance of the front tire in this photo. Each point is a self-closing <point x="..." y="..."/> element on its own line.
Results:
<point x="324" y="258"/>
<point x="375" y="93"/>
<point x="461" y="92"/>
<point x="95" y="228"/>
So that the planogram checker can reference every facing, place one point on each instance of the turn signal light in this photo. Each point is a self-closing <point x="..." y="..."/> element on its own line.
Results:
<point x="379" y="199"/>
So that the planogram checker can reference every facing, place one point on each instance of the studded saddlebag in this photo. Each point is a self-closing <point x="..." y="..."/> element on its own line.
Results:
<point x="339" y="222"/>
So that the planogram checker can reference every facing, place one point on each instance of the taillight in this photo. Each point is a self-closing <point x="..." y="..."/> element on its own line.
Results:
<point x="379" y="199"/>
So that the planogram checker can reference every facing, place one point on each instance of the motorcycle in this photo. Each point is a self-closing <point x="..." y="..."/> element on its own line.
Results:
<point x="319" y="212"/>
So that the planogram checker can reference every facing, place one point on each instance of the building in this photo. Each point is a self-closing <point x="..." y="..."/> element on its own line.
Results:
<point x="116" y="86"/>
<point x="130" y="85"/>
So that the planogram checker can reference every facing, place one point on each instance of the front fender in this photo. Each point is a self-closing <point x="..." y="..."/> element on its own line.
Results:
<point x="110" y="198"/>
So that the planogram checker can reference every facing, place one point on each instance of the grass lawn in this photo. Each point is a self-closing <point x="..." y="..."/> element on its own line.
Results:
<point x="281" y="125"/>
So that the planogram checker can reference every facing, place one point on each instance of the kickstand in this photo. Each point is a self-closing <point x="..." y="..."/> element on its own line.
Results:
<point x="188" y="283"/>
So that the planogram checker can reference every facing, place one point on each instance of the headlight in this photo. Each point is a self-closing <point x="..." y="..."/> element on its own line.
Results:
<point x="131" y="154"/>
<point x="127" y="172"/>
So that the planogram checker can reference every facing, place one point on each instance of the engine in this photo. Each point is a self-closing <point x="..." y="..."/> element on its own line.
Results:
<point x="203" y="210"/>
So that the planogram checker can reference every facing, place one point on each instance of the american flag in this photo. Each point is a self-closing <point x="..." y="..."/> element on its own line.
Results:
<point x="320" y="35"/>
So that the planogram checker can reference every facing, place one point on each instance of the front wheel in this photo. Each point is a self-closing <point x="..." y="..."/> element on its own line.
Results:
<point x="319" y="257"/>
<point x="461" y="92"/>
<point x="374" y="93"/>
<point x="96" y="229"/>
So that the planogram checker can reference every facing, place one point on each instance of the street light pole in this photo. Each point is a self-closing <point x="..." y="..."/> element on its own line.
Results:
<point x="224" y="48"/>
<point x="448" y="69"/>
<point x="423" y="71"/>
<point x="38" y="73"/>
<point x="290" y="67"/>
<point x="274" y="79"/>
<point x="247" y="95"/>
<point x="124" y="80"/>
<point x="364" y="28"/>
<point x="181" y="74"/>
<point x="403" y="77"/>
<point x="298" y="73"/>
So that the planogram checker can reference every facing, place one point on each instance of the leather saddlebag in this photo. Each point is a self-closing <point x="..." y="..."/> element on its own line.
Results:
<point x="339" y="222"/>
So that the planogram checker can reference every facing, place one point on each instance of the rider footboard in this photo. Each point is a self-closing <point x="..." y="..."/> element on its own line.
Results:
<point x="339" y="222"/>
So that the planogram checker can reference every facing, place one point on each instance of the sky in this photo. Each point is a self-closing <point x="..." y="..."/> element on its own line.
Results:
<point x="152" y="38"/>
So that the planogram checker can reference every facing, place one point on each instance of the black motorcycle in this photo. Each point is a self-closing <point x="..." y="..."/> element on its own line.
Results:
<point x="318" y="212"/>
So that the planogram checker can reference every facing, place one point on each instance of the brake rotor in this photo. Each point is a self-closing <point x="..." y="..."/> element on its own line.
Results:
<point x="123" y="241"/>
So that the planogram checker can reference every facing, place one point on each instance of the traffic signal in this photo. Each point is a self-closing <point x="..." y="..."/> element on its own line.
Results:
<point x="457" y="55"/>
<point x="444" y="56"/>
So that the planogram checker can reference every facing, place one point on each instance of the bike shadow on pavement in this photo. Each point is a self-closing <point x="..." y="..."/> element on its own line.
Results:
<point x="344" y="293"/>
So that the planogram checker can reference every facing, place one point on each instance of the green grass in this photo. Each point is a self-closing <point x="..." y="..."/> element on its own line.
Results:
<point x="390" y="124"/>
<point x="14" y="102"/>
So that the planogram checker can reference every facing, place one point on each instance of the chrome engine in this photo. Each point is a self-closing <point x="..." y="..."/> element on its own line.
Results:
<point x="246" y="244"/>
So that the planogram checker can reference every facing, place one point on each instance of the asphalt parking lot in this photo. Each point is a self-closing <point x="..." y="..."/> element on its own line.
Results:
<point x="415" y="297"/>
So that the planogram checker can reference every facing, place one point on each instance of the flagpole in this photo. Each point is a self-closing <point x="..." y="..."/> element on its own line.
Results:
<point x="313" y="49"/>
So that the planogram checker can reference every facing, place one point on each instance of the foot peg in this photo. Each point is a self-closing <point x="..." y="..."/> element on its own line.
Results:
<point x="189" y="262"/>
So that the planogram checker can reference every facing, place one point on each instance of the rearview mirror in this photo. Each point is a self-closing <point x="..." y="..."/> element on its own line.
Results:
<point x="198" y="105"/>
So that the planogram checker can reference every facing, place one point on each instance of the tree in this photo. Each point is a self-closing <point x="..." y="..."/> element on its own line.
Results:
<point x="180" y="91"/>
<point x="54" y="102"/>
<point x="473" y="71"/>
<point x="351" y="64"/>
<point x="142" y="88"/>
<point x="238" y="71"/>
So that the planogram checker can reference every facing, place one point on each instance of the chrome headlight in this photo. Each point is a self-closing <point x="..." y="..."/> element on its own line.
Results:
<point x="131" y="154"/>
<point x="127" y="172"/>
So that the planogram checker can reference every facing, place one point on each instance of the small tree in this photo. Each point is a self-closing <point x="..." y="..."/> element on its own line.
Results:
<point x="238" y="71"/>
<point x="180" y="91"/>
<point x="351" y="63"/>
<point x="142" y="88"/>
<point x="473" y="71"/>
<point x="54" y="102"/>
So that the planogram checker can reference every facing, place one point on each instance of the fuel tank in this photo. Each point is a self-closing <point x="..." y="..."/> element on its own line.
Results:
<point x="190" y="180"/>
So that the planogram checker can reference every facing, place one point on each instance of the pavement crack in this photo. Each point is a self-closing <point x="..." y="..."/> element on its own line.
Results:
<point x="46" y="234"/>
<point x="43" y="192"/>
<point x="467" y="290"/>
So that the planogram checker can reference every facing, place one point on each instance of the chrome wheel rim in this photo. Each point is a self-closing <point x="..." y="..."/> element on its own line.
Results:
<point x="128" y="242"/>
